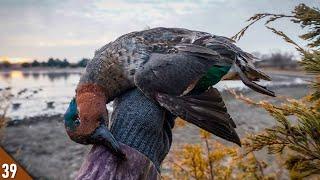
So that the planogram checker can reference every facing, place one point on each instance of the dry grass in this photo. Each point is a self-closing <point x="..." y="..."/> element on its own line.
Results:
<point x="5" y="99"/>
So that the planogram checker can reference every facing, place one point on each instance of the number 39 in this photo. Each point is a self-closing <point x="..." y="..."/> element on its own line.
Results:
<point x="7" y="169"/>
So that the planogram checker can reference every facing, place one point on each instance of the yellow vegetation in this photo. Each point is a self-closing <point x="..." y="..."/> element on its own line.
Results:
<point x="213" y="160"/>
<point x="5" y="97"/>
<point x="296" y="134"/>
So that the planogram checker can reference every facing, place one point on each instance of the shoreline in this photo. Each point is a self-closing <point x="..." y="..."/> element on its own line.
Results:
<point x="45" y="70"/>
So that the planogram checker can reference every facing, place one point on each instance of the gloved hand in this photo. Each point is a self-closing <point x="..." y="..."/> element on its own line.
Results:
<point x="143" y="130"/>
<point x="143" y="125"/>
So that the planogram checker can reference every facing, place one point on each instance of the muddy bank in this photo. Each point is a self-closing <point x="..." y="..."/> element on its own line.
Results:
<point x="41" y="145"/>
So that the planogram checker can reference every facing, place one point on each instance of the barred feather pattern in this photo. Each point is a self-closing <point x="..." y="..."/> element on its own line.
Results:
<point x="115" y="64"/>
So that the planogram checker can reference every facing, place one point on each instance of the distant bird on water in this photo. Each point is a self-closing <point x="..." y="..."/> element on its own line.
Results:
<point x="175" y="68"/>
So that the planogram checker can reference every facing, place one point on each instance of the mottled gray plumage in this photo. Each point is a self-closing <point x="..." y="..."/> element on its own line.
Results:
<point x="166" y="63"/>
<point x="170" y="73"/>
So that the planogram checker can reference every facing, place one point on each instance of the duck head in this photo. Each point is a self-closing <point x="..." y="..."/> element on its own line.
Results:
<point x="86" y="117"/>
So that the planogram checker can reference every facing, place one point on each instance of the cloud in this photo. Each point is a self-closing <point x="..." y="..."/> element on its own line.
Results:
<point x="76" y="28"/>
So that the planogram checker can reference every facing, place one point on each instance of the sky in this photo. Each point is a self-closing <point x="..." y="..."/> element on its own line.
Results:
<point x="72" y="29"/>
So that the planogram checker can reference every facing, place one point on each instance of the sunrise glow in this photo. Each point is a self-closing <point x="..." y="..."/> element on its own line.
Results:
<point x="14" y="60"/>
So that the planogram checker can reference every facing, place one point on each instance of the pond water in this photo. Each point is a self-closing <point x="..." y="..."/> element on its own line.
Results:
<point x="39" y="92"/>
<point x="44" y="92"/>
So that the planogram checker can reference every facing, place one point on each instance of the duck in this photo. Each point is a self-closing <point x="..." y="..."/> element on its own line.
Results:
<point x="175" y="68"/>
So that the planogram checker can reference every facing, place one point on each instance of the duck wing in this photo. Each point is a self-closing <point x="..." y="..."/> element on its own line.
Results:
<point x="177" y="73"/>
<point x="206" y="111"/>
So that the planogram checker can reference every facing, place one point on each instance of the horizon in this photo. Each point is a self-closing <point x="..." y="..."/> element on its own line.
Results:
<point x="75" y="29"/>
<point x="18" y="60"/>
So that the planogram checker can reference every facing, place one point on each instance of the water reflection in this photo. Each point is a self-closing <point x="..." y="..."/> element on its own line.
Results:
<point x="25" y="74"/>
<point x="39" y="92"/>
<point x="56" y="76"/>
<point x="6" y="75"/>
<point x="35" y="75"/>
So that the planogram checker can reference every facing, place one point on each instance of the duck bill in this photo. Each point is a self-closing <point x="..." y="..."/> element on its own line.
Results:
<point x="103" y="136"/>
<point x="254" y="86"/>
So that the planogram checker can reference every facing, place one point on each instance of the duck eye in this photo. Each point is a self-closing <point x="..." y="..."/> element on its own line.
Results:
<point x="77" y="122"/>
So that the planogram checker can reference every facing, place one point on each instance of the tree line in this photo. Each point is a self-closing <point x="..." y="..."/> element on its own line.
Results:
<point x="278" y="60"/>
<point x="51" y="62"/>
